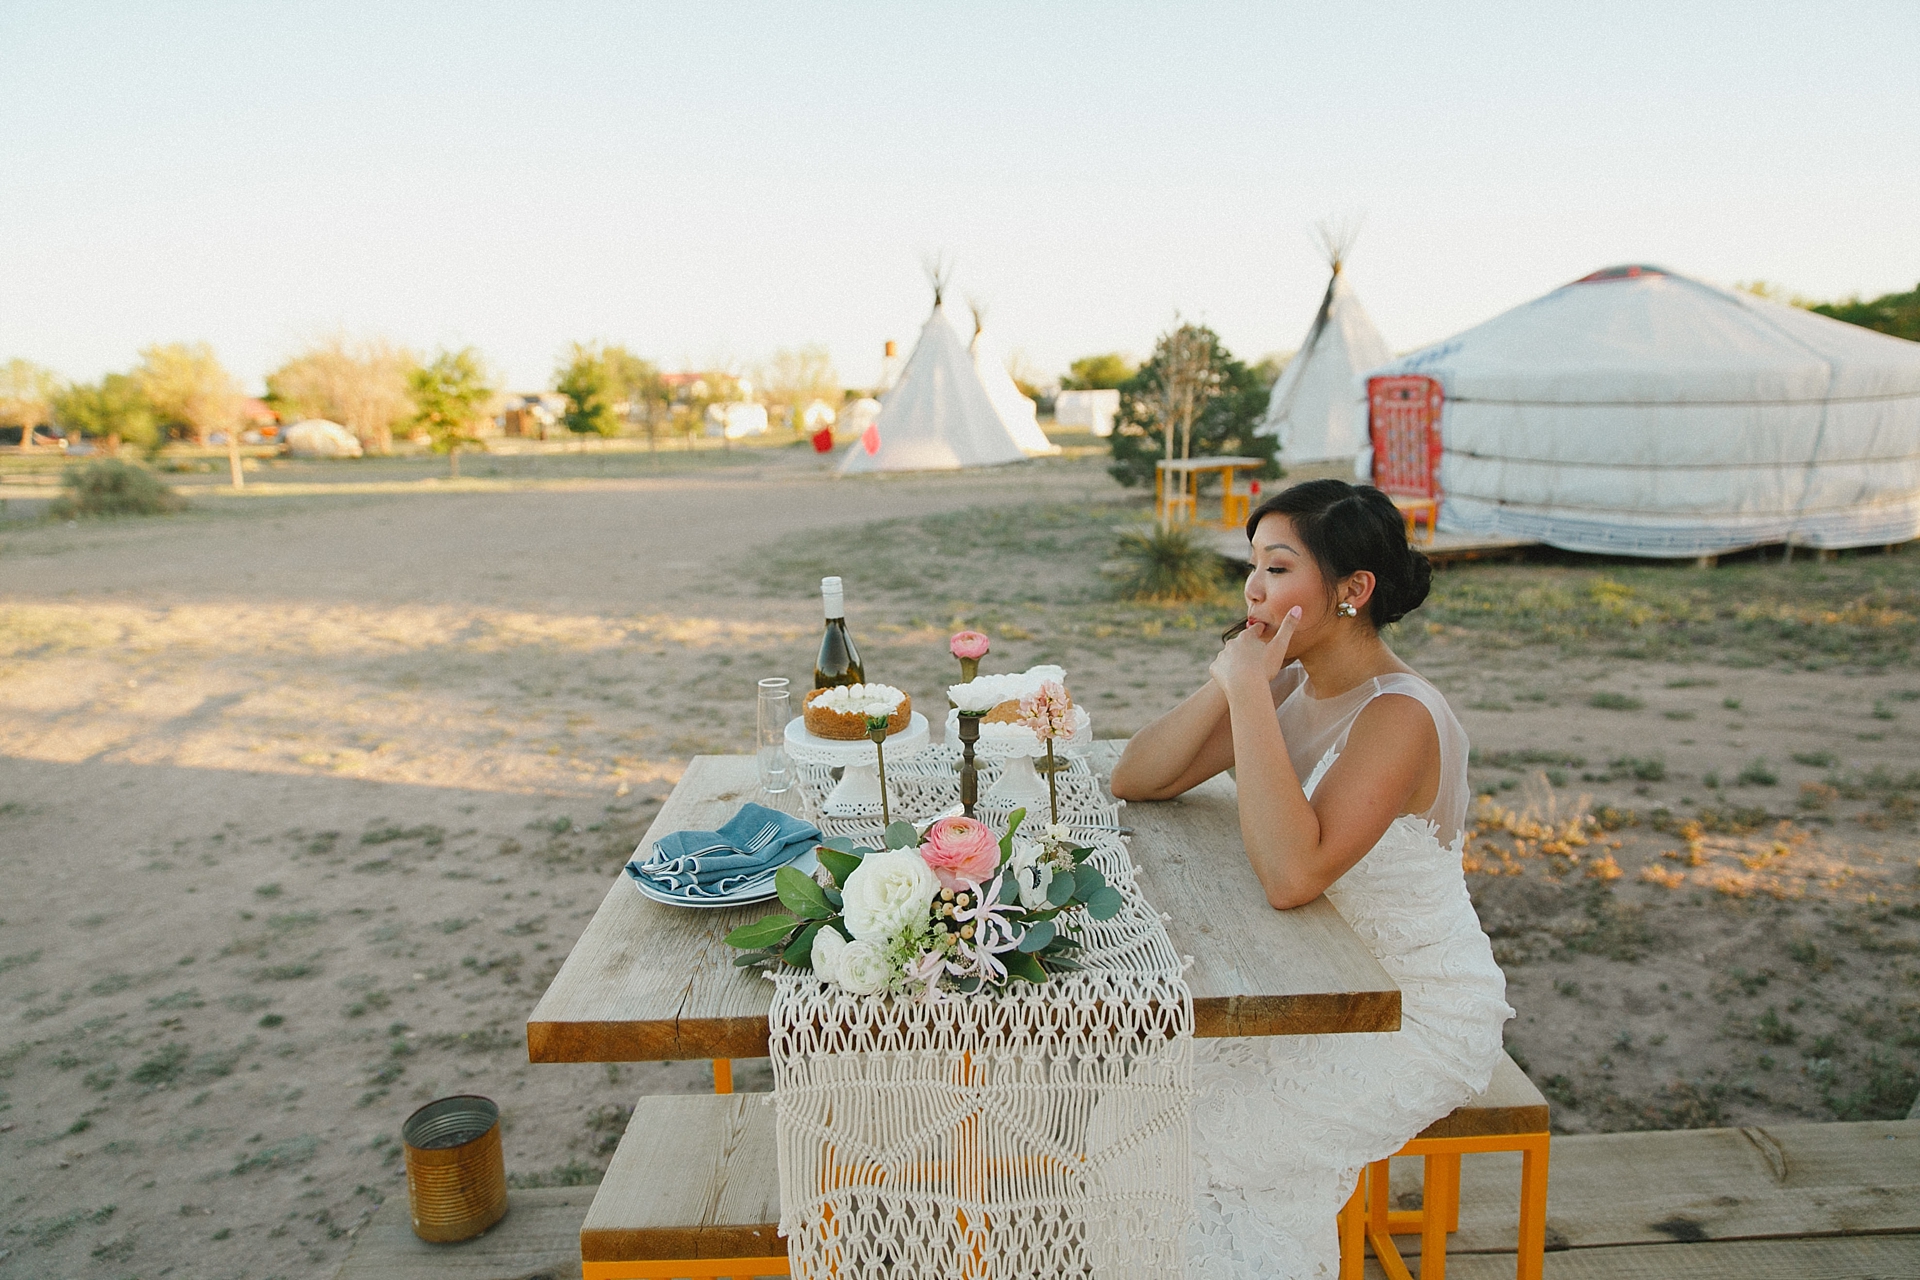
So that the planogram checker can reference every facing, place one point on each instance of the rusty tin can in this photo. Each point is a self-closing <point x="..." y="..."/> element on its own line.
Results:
<point x="456" y="1174"/>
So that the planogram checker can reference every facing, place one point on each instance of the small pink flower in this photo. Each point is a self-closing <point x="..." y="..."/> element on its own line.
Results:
<point x="1046" y="710"/>
<point x="961" y="852"/>
<point x="969" y="644"/>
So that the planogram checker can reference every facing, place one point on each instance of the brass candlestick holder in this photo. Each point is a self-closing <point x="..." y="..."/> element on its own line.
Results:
<point x="1050" y="766"/>
<point x="877" y="733"/>
<point x="969" y="773"/>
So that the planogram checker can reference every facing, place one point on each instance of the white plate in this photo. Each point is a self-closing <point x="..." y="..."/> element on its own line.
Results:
<point x="806" y="862"/>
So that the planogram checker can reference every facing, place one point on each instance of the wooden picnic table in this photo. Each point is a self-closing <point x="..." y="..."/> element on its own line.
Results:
<point x="1176" y="489"/>
<point x="648" y="982"/>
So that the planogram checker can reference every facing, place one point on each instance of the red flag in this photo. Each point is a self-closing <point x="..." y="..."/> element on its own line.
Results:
<point x="823" y="440"/>
<point x="870" y="439"/>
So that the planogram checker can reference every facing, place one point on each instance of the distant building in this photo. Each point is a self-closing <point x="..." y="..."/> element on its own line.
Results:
<point x="533" y="415"/>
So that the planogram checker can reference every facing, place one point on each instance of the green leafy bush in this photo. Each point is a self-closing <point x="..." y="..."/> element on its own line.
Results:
<point x="1168" y="565"/>
<point x="111" y="488"/>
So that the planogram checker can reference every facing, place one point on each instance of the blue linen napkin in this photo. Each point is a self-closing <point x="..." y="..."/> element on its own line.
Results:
<point x="743" y="854"/>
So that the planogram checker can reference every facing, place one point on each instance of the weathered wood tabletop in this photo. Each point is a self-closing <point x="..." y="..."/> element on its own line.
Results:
<point x="648" y="982"/>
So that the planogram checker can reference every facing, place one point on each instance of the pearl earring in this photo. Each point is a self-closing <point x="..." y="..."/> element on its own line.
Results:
<point x="1346" y="609"/>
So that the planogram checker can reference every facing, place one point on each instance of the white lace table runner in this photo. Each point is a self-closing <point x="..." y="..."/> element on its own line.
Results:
<point x="1040" y="1131"/>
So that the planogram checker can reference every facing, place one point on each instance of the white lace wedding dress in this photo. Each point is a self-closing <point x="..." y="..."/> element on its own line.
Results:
<point x="1284" y="1124"/>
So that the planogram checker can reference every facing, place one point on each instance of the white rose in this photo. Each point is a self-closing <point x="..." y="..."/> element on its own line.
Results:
<point x="863" y="968"/>
<point x="1030" y="874"/>
<point x="889" y="891"/>
<point x="828" y="948"/>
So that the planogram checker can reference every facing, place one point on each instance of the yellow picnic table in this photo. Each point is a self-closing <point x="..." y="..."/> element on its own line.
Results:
<point x="1176" y="489"/>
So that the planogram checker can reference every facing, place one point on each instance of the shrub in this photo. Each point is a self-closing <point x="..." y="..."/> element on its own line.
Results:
<point x="111" y="488"/>
<point x="1609" y="701"/>
<point x="1168" y="566"/>
<point x="1758" y="773"/>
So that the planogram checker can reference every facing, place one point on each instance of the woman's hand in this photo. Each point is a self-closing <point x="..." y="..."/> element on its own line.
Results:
<point x="1249" y="658"/>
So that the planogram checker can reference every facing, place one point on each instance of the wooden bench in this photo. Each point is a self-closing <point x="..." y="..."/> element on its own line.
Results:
<point x="693" y="1191"/>
<point x="1510" y="1116"/>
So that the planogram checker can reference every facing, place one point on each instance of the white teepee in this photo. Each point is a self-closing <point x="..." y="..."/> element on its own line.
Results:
<point x="938" y="417"/>
<point x="1314" y="408"/>
<point x="1015" y="409"/>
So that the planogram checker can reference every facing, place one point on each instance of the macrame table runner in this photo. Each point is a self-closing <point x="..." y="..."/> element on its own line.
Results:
<point x="1037" y="1131"/>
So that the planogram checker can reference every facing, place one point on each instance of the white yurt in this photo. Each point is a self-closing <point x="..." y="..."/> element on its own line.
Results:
<point x="1094" y="410"/>
<point x="1314" y="409"/>
<point x="1019" y="413"/>
<point x="938" y="416"/>
<point x="1640" y="412"/>
<point x="319" y="438"/>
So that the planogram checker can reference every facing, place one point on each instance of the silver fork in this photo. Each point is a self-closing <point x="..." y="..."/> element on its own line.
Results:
<point x="762" y="838"/>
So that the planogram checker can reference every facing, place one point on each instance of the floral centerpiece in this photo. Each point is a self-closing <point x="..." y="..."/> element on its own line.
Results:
<point x="947" y="909"/>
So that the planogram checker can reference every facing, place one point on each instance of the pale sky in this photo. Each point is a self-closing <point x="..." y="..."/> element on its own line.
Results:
<point x="707" y="182"/>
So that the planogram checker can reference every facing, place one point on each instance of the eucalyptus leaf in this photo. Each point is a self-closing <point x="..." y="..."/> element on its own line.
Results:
<point x="767" y="931"/>
<point x="1060" y="888"/>
<point x="839" y="863"/>
<point x="843" y="844"/>
<point x="799" y="952"/>
<point x="1009" y="891"/>
<point x="752" y="958"/>
<point x="1021" y="965"/>
<point x="1104" y="905"/>
<point x="800" y="895"/>
<point x="901" y="835"/>
<point x="1037" y="936"/>
<point x="1060" y="964"/>
<point x="1080" y="853"/>
<point x="833" y="897"/>
<point x="1087" y="881"/>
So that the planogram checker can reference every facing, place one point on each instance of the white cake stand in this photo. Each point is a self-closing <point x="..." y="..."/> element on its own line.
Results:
<point x="858" y="793"/>
<point x="1017" y="747"/>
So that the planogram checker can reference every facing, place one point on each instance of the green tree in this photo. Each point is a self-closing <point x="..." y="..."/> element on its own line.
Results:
<point x="607" y="387"/>
<point x="189" y="388"/>
<point x="113" y="408"/>
<point x="27" y="393"/>
<point x="1097" y="373"/>
<point x="584" y="379"/>
<point x="1894" y="313"/>
<point x="1191" y="399"/>
<point x="450" y="396"/>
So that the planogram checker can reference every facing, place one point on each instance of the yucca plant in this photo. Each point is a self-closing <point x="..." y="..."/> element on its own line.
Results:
<point x="1167" y="566"/>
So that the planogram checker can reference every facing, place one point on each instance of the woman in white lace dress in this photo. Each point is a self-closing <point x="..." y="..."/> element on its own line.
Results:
<point x="1352" y="775"/>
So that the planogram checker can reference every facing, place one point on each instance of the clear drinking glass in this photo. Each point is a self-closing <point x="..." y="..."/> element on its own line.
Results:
<point x="776" y="708"/>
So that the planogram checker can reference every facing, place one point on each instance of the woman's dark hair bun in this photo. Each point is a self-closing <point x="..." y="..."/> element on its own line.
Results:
<point x="1350" y="527"/>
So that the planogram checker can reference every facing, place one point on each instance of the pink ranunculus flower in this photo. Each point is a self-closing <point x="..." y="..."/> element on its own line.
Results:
<point x="969" y="644"/>
<point x="1046" y="710"/>
<point x="961" y="852"/>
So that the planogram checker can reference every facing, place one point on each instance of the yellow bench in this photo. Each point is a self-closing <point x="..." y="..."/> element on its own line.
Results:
<point x="693" y="1191"/>
<point x="1510" y="1116"/>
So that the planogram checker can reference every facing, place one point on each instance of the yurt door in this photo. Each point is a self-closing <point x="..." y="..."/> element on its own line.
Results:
<point x="1403" y="418"/>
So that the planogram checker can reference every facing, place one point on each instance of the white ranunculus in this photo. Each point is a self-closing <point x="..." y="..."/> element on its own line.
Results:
<point x="863" y="968"/>
<point x="1032" y="875"/>
<point x="828" y="947"/>
<point x="889" y="891"/>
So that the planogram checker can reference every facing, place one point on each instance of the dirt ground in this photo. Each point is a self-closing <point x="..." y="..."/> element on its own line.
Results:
<point x="305" y="795"/>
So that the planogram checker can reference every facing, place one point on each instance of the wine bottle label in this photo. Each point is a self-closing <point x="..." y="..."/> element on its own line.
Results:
<point x="833" y="598"/>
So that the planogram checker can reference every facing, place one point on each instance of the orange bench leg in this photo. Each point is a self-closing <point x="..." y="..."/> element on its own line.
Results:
<point x="723" y="1075"/>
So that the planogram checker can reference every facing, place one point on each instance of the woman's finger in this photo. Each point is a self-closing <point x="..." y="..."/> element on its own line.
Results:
<point x="1276" y="654"/>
